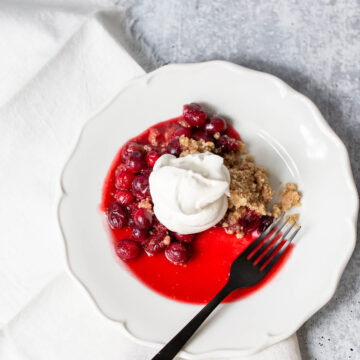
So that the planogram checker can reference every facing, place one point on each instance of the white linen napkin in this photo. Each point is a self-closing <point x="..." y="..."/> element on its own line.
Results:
<point x="59" y="64"/>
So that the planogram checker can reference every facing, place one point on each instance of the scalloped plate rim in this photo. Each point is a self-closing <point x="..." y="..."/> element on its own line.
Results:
<point x="324" y="126"/>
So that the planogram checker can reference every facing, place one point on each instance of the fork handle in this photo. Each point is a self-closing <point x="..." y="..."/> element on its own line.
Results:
<point x="169" y="351"/>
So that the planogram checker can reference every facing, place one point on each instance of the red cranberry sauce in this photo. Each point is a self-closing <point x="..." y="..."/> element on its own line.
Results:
<point x="189" y="268"/>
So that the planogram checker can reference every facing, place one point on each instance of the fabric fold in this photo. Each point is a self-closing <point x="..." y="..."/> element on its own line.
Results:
<point x="63" y="63"/>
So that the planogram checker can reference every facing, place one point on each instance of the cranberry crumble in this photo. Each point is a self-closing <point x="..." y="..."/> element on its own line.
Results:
<point x="140" y="238"/>
<point x="194" y="132"/>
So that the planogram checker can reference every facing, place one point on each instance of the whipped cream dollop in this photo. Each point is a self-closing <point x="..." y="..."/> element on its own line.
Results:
<point x="190" y="193"/>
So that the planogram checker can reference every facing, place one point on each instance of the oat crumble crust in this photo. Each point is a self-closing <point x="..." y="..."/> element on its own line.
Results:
<point x="289" y="197"/>
<point x="191" y="146"/>
<point x="249" y="185"/>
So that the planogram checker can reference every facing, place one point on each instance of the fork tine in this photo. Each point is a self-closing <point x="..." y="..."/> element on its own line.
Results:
<point x="268" y="241"/>
<point x="265" y="258"/>
<point x="278" y="255"/>
<point x="255" y="243"/>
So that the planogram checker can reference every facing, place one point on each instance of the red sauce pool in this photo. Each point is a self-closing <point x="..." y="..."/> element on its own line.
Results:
<point x="213" y="252"/>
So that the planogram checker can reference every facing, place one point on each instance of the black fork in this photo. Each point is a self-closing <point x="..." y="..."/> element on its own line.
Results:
<point x="248" y="269"/>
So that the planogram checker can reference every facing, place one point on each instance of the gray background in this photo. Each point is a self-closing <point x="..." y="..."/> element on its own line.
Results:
<point x="314" y="46"/>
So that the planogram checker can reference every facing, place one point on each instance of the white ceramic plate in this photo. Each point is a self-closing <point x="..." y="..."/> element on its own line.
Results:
<point x="287" y="134"/>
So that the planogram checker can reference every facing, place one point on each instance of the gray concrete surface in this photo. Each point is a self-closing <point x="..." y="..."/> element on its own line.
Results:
<point x="315" y="47"/>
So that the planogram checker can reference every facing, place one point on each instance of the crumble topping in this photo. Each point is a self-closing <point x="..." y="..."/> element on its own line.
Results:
<point x="217" y="135"/>
<point x="249" y="185"/>
<point x="154" y="137"/>
<point x="167" y="240"/>
<point x="146" y="204"/>
<point x="289" y="197"/>
<point x="191" y="146"/>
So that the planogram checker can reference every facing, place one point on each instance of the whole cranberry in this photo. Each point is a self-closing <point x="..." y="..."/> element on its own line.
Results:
<point x="250" y="222"/>
<point x="151" y="157"/>
<point x="140" y="186"/>
<point x="156" y="243"/>
<point x="215" y="124"/>
<point x="142" y="219"/>
<point x="198" y="134"/>
<point x="194" y="114"/>
<point x="186" y="238"/>
<point x="131" y="208"/>
<point x="124" y="197"/>
<point x="124" y="179"/>
<point x="131" y="147"/>
<point x="227" y="144"/>
<point x="159" y="227"/>
<point x="116" y="216"/>
<point x="174" y="147"/>
<point x="127" y="249"/>
<point x="177" y="253"/>
<point x="139" y="235"/>
<point x="266" y="221"/>
<point x="135" y="161"/>
<point x="181" y="131"/>
<point x="146" y="171"/>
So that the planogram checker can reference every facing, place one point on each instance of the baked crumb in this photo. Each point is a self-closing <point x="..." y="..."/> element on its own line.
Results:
<point x="289" y="197"/>
<point x="216" y="135"/>
<point x="167" y="240"/>
<point x="249" y="187"/>
<point x="146" y="204"/>
<point x="293" y="219"/>
<point x="154" y="137"/>
<point x="242" y="148"/>
<point x="191" y="146"/>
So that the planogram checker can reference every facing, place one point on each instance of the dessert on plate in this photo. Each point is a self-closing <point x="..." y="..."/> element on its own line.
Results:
<point x="183" y="199"/>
